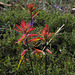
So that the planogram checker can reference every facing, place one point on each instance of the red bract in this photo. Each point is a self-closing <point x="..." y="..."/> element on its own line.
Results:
<point x="30" y="7"/>
<point x="20" y="30"/>
<point x="30" y="30"/>
<point x="21" y="39"/>
<point x="34" y="15"/>
<point x="23" y="25"/>
<point x="45" y="33"/>
<point x="27" y="60"/>
<point x="31" y="35"/>
<point x="38" y="51"/>
<point x="22" y="54"/>
<point x="36" y="39"/>
<point x="49" y="51"/>
<point x="27" y="25"/>
<point x="24" y="29"/>
<point x="34" y="52"/>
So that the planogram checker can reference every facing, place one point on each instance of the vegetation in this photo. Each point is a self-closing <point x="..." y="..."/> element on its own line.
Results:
<point x="61" y="62"/>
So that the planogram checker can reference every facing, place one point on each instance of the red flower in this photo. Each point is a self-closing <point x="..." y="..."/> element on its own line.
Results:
<point x="25" y="29"/>
<point x="30" y="7"/>
<point x="45" y="33"/>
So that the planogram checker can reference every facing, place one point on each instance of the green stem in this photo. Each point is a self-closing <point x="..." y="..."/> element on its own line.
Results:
<point x="31" y="20"/>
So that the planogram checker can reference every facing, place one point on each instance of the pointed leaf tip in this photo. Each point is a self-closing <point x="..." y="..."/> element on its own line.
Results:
<point x="49" y="51"/>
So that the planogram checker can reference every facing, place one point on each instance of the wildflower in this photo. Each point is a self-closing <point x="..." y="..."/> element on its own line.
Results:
<point x="45" y="33"/>
<point x="55" y="5"/>
<point x="14" y="3"/>
<point x="58" y="7"/>
<point x="24" y="28"/>
<point x="30" y="7"/>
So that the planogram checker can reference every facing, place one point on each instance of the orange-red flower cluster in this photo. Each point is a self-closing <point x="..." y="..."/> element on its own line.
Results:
<point x="45" y="33"/>
<point x="31" y="9"/>
<point x="25" y="30"/>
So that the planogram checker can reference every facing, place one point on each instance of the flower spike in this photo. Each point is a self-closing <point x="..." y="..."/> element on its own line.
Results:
<point x="45" y="33"/>
<point x="30" y="7"/>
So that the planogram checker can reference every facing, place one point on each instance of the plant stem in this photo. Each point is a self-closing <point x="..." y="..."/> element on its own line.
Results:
<point x="31" y="19"/>
<point x="46" y="64"/>
<point x="29" y="56"/>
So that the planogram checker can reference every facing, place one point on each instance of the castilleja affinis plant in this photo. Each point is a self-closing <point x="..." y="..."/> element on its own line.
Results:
<point x="27" y="37"/>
